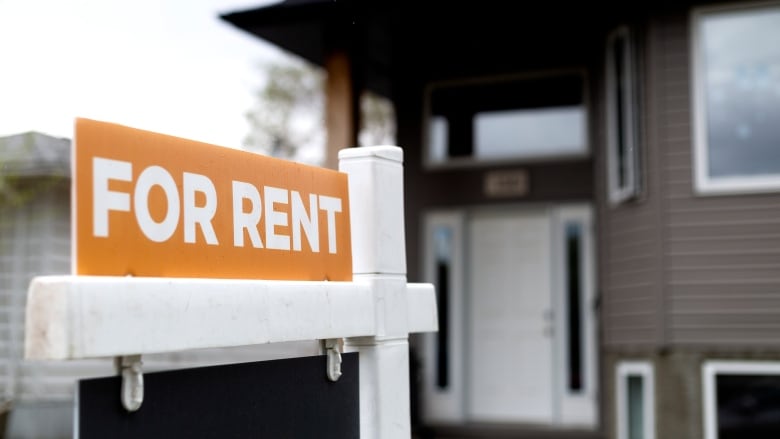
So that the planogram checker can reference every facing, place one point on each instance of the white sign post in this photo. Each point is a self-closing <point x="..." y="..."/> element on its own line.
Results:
<point x="379" y="259"/>
<point x="76" y="317"/>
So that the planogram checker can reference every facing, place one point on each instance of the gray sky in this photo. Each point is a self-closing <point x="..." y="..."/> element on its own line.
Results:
<point x="170" y="66"/>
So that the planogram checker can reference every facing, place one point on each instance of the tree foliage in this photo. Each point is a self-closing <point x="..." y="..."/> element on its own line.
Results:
<point x="377" y="119"/>
<point x="288" y="112"/>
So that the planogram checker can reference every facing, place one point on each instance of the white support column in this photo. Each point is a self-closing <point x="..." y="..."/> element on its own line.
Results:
<point x="379" y="258"/>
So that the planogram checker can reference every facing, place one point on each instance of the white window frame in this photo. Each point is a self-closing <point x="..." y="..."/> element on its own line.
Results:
<point x="703" y="183"/>
<point x="710" y="371"/>
<point x="630" y="189"/>
<point x="645" y="370"/>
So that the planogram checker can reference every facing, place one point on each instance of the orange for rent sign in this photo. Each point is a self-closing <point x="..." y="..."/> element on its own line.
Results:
<point x="148" y="204"/>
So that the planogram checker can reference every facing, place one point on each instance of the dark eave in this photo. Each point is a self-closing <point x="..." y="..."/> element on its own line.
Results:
<point x="435" y="38"/>
<point x="295" y="26"/>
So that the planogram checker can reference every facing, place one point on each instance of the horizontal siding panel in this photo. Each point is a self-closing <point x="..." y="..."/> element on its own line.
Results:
<point x="719" y="291"/>
<point x="637" y="233"/>
<point x="735" y="285"/>
<point x="735" y="255"/>
<point x="680" y="189"/>
<point x="632" y="264"/>
<point x="631" y="246"/>
<point x="736" y="304"/>
<point x="678" y="158"/>
<point x="720" y="336"/>
<point x="712" y="205"/>
<point x="626" y="219"/>
<point x="751" y="257"/>
<point x="628" y="320"/>
<point x="630" y="278"/>
<point x="632" y="295"/>
<point x="676" y="72"/>
<point x="640" y="288"/>
<point x="726" y="217"/>
<point x="715" y="231"/>
<point x="677" y="148"/>
<point x="724" y="273"/>
<point x="679" y="176"/>
<point x="631" y="336"/>
<point x="634" y="306"/>
<point x="675" y="165"/>
<point x="677" y="86"/>
<point x="627" y="329"/>
<point x="725" y="319"/>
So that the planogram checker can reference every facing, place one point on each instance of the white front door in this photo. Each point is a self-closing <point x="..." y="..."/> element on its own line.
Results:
<point x="510" y="350"/>
<point x="516" y="341"/>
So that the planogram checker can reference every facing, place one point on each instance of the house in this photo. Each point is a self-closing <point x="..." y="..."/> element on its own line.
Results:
<point x="594" y="187"/>
<point x="34" y="240"/>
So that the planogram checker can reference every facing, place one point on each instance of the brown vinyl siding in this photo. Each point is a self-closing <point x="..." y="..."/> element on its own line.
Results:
<point x="630" y="235"/>
<point x="711" y="263"/>
<point x="722" y="253"/>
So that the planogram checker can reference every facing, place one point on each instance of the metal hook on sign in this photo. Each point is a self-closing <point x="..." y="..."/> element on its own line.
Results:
<point x="129" y="367"/>
<point x="331" y="346"/>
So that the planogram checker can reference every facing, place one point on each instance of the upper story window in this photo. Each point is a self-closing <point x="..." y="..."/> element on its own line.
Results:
<point x="622" y="117"/>
<point x="531" y="118"/>
<point x="736" y="79"/>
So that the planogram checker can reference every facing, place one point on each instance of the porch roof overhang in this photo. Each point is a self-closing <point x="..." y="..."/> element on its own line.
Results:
<point x="432" y="37"/>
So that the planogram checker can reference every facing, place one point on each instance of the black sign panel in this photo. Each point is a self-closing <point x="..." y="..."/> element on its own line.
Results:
<point x="271" y="399"/>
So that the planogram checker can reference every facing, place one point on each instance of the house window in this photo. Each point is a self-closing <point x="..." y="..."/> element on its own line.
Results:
<point x="741" y="399"/>
<point x="529" y="118"/>
<point x="622" y="120"/>
<point x="635" y="400"/>
<point x="736" y="79"/>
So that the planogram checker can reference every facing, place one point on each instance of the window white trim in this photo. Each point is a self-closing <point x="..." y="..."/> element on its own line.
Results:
<point x="630" y="188"/>
<point x="645" y="370"/>
<point x="703" y="183"/>
<point x="711" y="369"/>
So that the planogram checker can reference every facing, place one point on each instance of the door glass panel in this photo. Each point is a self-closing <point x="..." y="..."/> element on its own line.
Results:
<point x="443" y="243"/>
<point x="574" y="305"/>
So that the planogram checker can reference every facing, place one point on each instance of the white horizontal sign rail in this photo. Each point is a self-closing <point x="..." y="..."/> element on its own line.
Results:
<point x="75" y="317"/>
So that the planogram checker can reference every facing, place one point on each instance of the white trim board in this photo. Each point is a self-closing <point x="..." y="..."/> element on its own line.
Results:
<point x="710" y="369"/>
<point x="645" y="370"/>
